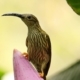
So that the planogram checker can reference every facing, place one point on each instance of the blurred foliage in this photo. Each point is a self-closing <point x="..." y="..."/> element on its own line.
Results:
<point x="71" y="73"/>
<point x="2" y="72"/>
<point x="75" y="5"/>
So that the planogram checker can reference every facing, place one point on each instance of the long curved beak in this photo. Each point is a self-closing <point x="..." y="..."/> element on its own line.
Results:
<point x="14" y="14"/>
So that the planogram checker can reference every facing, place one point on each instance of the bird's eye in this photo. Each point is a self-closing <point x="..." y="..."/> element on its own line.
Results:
<point x="29" y="17"/>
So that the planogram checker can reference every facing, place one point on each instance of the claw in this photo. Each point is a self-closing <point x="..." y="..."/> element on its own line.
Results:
<point x="26" y="55"/>
<point x="41" y="75"/>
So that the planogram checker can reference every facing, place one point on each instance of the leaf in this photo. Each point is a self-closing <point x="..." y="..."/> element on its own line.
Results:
<point x="2" y="72"/>
<point x="23" y="70"/>
<point x="75" y="5"/>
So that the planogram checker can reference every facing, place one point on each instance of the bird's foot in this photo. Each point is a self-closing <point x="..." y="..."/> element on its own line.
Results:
<point x="41" y="74"/>
<point x="25" y="55"/>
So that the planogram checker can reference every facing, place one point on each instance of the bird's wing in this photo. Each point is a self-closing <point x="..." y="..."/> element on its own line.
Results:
<point x="49" y="54"/>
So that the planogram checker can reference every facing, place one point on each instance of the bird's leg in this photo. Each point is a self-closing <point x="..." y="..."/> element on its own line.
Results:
<point x="41" y="73"/>
<point x="25" y="55"/>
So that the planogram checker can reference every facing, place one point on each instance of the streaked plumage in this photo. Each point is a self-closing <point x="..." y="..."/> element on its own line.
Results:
<point x="37" y="42"/>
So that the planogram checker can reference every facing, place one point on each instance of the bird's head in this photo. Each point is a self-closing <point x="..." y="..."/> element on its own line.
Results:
<point x="29" y="19"/>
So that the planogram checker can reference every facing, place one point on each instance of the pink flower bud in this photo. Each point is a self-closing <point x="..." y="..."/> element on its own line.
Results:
<point x="23" y="70"/>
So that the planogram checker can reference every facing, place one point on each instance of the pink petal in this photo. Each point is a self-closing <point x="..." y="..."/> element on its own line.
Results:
<point x="23" y="70"/>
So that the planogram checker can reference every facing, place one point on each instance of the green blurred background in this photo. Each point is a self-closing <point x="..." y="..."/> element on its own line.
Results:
<point x="55" y="16"/>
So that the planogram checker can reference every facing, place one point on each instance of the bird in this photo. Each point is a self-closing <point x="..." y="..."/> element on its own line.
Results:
<point x="37" y="42"/>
